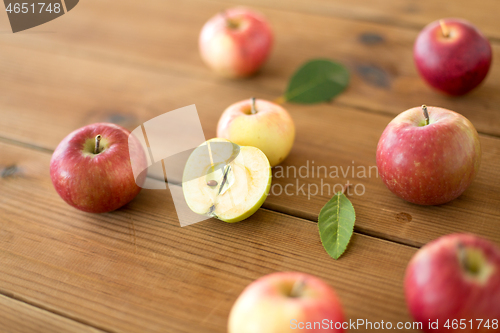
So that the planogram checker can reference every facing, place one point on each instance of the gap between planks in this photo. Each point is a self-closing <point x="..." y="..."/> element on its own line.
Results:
<point x="151" y="68"/>
<point x="42" y="307"/>
<point x="356" y="229"/>
<point x="340" y="15"/>
<point x="302" y="217"/>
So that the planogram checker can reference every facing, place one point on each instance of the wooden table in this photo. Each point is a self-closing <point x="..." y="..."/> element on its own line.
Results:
<point x="136" y="269"/>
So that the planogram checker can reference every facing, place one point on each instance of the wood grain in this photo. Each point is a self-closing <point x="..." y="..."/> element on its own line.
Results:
<point x="19" y="317"/>
<point x="328" y="134"/>
<point x="161" y="36"/>
<point x="346" y="139"/>
<point x="410" y="14"/>
<point x="136" y="269"/>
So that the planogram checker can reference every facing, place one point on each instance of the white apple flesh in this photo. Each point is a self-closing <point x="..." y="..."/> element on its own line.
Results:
<point x="230" y="191"/>
<point x="456" y="277"/>
<point x="285" y="302"/>
<point x="259" y="123"/>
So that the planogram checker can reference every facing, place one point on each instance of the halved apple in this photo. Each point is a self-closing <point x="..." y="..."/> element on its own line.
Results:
<point x="226" y="181"/>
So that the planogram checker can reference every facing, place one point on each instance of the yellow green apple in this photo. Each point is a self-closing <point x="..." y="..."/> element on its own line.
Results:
<point x="259" y="123"/>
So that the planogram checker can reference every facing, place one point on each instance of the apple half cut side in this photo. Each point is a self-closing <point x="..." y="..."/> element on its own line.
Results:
<point x="226" y="181"/>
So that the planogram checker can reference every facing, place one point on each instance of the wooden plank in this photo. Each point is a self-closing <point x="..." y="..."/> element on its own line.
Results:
<point x="329" y="135"/>
<point x="19" y="317"/>
<point x="162" y="36"/>
<point x="415" y="14"/>
<point x="344" y="139"/>
<point x="136" y="269"/>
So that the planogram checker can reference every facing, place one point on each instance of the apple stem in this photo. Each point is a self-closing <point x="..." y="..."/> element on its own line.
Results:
<point x="224" y="179"/>
<point x="297" y="288"/>
<point x="97" y="141"/>
<point x="444" y="29"/>
<point x="462" y="256"/>
<point x="254" y="110"/>
<point x="230" y="23"/>
<point x="426" y="114"/>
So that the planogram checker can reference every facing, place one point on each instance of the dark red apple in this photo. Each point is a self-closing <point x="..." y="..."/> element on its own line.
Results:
<point x="428" y="162"/>
<point x="452" y="55"/>
<point x="456" y="280"/>
<point x="97" y="178"/>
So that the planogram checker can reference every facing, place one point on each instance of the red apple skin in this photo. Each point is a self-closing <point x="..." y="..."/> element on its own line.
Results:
<point x="439" y="287"/>
<point x="265" y="306"/>
<point x="428" y="165"/>
<point x="236" y="52"/>
<point x="455" y="64"/>
<point x="96" y="183"/>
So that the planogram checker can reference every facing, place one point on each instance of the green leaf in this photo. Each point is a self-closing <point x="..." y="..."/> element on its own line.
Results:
<point x="317" y="81"/>
<point x="336" y="224"/>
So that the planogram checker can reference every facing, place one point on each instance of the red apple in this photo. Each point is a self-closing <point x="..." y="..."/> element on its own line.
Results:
<point x="286" y="302"/>
<point x="452" y="55"/>
<point x="101" y="180"/>
<point x="456" y="280"/>
<point x="428" y="164"/>
<point x="259" y="123"/>
<point x="236" y="42"/>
